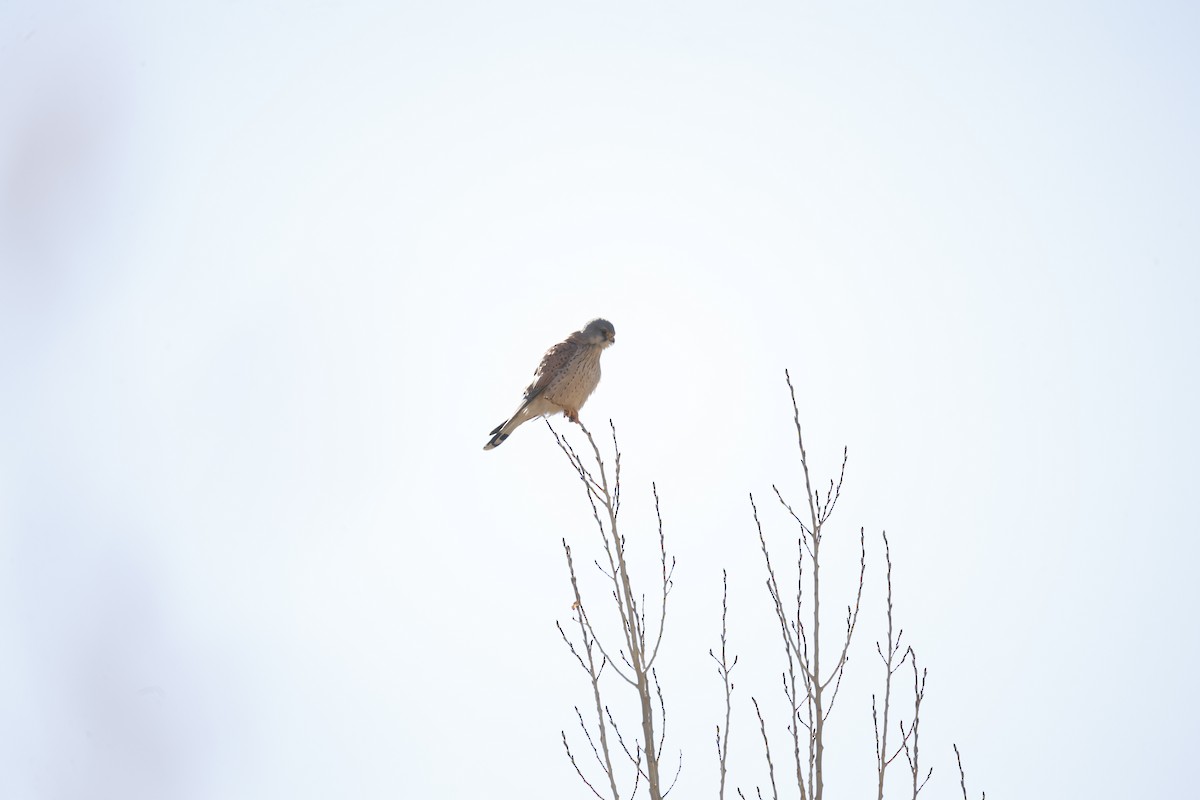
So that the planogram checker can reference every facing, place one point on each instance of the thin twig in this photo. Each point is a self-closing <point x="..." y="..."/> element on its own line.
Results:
<point x="962" y="777"/>
<point x="724" y="668"/>
<point x="762" y="727"/>
<point x="578" y="771"/>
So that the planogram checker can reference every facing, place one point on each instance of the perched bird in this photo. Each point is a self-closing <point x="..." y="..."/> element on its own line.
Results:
<point x="566" y="377"/>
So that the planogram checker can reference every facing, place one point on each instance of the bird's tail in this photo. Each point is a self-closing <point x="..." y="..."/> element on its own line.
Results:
<point x="504" y="430"/>
<point x="532" y="408"/>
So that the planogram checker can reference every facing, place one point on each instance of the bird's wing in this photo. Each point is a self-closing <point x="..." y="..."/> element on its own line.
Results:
<point x="553" y="362"/>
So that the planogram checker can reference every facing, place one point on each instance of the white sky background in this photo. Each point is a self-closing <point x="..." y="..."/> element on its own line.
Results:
<point x="269" y="272"/>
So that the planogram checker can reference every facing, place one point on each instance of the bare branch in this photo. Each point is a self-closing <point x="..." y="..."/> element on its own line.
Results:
<point x="881" y="737"/>
<point x="724" y="668"/>
<point x="962" y="777"/>
<point x="578" y="771"/>
<point x="852" y="612"/>
<point x="604" y="501"/>
<point x="635" y="760"/>
<point x="675" y="778"/>
<point x="762" y="727"/>
<point x="594" y="675"/>
<point x="913" y="754"/>
<point x="836" y="491"/>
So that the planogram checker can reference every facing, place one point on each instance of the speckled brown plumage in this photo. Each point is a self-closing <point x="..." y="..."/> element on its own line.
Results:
<point x="567" y="376"/>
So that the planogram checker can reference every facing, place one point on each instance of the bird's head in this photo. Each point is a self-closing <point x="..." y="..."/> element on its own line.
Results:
<point x="599" y="332"/>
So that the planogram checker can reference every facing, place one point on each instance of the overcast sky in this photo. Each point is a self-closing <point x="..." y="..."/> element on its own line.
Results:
<point x="270" y="272"/>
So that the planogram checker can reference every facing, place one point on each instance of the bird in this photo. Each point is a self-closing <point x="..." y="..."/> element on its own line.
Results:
<point x="567" y="376"/>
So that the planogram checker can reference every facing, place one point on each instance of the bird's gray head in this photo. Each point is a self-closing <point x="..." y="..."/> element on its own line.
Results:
<point x="599" y="332"/>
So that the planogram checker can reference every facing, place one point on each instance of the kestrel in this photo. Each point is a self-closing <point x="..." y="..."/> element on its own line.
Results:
<point x="564" y="380"/>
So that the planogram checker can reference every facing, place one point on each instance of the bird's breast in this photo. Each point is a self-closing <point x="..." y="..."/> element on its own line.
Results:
<point x="576" y="380"/>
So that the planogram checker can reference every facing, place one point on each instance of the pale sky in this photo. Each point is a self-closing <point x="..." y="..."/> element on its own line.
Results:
<point x="270" y="272"/>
